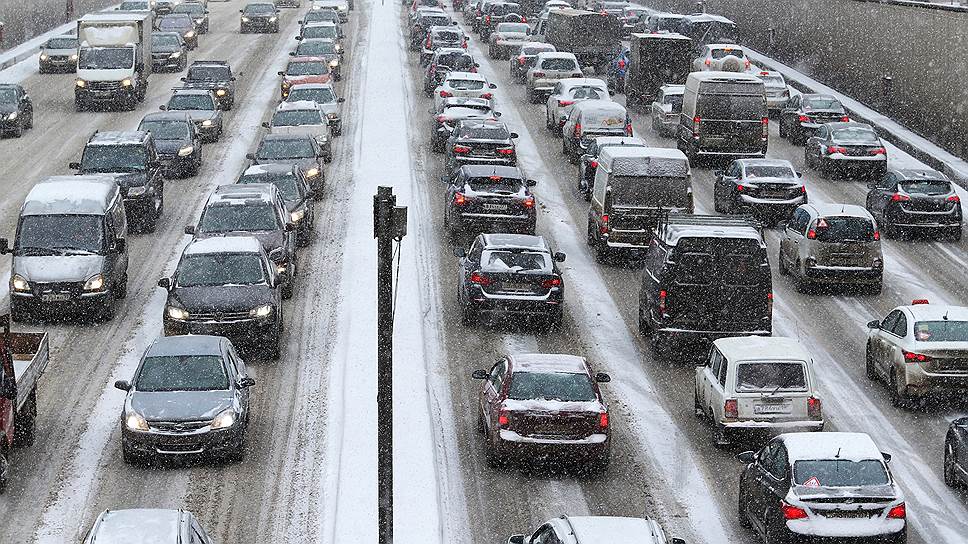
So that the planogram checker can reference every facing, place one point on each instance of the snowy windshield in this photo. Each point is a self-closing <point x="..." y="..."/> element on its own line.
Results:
<point x="39" y="234"/>
<point x="770" y="376"/>
<point x="769" y="171"/>
<point x="182" y="373"/>
<point x="484" y="132"/>
<point x="234" y="218"/>
<point x="220" y="269"/>
<point x="322" y="31"/>
<point x="166" y="130"/>
<point x="561" y="65"/>
<point x="105" y="58"/>
<point x="313" y="68"/>
<point x="649" y="191"/>
<point x="175" y="23"/>
<point x="284" y="181"/>
<point x="322" y="95"/>
<point x="167" y="40"/>
<point x="941" y="331"/>
<point x="292" y="118"/>
<point x="455" y="61"/>
<point x="8" y="96"/>
<point x="515" y="261"/>
<point x="839" y="473"/>
<point x="216" y="73"/>
<point x="199" y="102"/>
<point x="294" y="148"/>
<point x="551" y="386"/>
<point x="316" y="48"/>
<point x="262" y="9"/>
<point x="113" y="159"/>
<point x="844" y="229"/>
<point x="62" y="43"/>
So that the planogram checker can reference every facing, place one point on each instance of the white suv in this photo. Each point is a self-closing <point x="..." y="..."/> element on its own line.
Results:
<point x="547" y="70"/>
<point x="594" y="529"/>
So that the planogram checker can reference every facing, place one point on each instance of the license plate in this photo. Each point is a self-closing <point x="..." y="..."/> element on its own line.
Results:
<point x="55" y="297"/>
<point x="496" y="207"/>
<point x="517" y="287"/>
<point x="771" y="408"/>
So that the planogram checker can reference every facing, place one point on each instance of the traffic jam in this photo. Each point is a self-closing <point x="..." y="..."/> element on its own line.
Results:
<point x="758" y="339"/>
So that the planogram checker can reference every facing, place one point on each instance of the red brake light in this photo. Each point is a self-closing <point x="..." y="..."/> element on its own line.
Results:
<point x="812" y="234"/>
<point x="695" y="126"/>
<point x="769" y="303"/>
<point x="898" y="197"/>
<point x="877" y="235"/>
<point x="553" y="282"/>
<point x="708" y="62"/>
<point x="577" y="130"/>
<point x="502" y="418"/>
<point x="445" y="94"/>
<point x="740" y="188"/>
<point x="521" y="60"/>
<point x="459" y="199"/>
<point x="621" y="63"/>
<point x="898" y="512"/>
<point x="464" y="44"/>
<point x="746" y="63"/>
<point x="917" y="301"/>
<point x="911" y="357"/>
<point x="662" y="301"/>
<point x="603" y="420"/>
<point x="731" y="408"/>
<point x="428" y="42"/>
<point x="473" y="69"/>
<point x="562" y="103"/>
<point x="539" y="74"/>
<point x="792" y="512"/>
<point x="505" y="151"/>
<point x="628" y="129"/>
<point x="524" y="19"/>
<point x="836" y="149"/>
<point x="442" y="118"/>
<point x="803" y="119"/>
<point x="487" y="21"/>
<point x="528" y="202"/>
<point x="953" y="198"/>
<point x="593" y="164"/>
<point x="461" y="149"/>
<point x="878" y="151"/>
<point x="487" y="96"/>
<point x="845" y="119"/>
<point x="603" y="229"/>
<point x="813" y="407"/>
<point x="480" y="279"/>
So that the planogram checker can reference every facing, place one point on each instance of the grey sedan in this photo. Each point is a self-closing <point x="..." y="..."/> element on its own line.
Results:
<point x="202" y="106"/>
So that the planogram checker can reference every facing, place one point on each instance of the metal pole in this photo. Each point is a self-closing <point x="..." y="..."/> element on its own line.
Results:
<point x="383" y="204"/>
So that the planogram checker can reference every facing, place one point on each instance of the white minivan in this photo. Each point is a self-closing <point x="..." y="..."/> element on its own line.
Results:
<point x="753" y="384"/>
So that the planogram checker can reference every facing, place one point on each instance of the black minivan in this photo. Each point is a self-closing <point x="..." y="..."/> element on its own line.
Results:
<point x="706" y="277"/>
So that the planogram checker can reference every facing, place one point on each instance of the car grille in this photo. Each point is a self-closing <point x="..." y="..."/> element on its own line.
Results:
<point x="219" y="316"/>
<point x="177" y="426"/>
<point x="72" y="288"/>
<point x="104" y="85"/>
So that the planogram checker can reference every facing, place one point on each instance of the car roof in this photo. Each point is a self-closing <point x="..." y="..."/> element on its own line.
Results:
<point x="233" y="193"/>
<point x="556" y="55"/>
<point x="936" y="312"/>
<point x="298" y="105"/>
<point x="827" y="209"/>
<point x="919" y="173"/>
<point x="224" y="244"/>
<point x="485" y="170"/>
<point x="218" y="63"/>
<point x="849" y="124"/>
<point x="724" y="46"/>
<point x="810" y="96"/>
<point x="748" y="348"/>
<point x="675" y="227"/>
<point x="734" y="77"/>
<point x="146" y="525"/>
<point x="437" y="29"/>
<point x="165" y="34"/>
<point x="311" y="86"/>
<point x="270" y="168"/>
<point x="548" y="362"/>
<point x="464" y="123"/>
<point x="118" y="137"/>
<point x="582" y="82"/>
<point x="613" y="530"/>
<point x="89" y="194"/>
<point x="315" y="24"/>
<point x="830" y="445"/>
<point x="704" y="17"/>
<point x="468" y="76"/>
<point x="599" y="105"/>
<point x="168" y="116"/>
<point x="765" y="162"/>
<point x="189" y="344"/>
<point x="540" y="47"/>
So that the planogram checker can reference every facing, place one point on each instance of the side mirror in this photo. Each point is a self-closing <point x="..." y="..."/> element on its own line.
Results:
<point x="123" y="385"/>
<point x="531" y="182"/>
<point x="250" y="156"/>
<point x="120" y="245"/>
<point x="611" y="92"/>
<point x="246" y="382"/>
<point x="453" y="23"/>
<point x="299" y="38"/>
<point x="4" y="246"/>
<point x="875" y="324"/>
<point x="602" y="377"/>
<point x="281" y="73"/>
<point x="445" y="180"/>
<point x="241" y="11"/>
<point x="514" y="135"/>
<point x="476" y="65"/>
<point x="300" y="21"/>
<point x="340" y="100"/>
<point x="516" y="539"/>
<point x="290" y="227"/>
<point x="799" y="174"/>
<point x="190" y="229"/>
<point x="886" y="456"/>
<point x="164" y="283"/>
<point x="746" y="457"/>
<point x="292" y="53"/>
<point x="677" y="541"/>
<point x="277" y="255"/>
<point x="74" y="166"/>
<point x="497" y="114"/>
<point x="460" y="252"/>
<point x="183" y="78"/>
<point x="265" y="124"/>
<point x="162" y="107"/>
<point x="493" y="85"/>
<point x="479" y="375"/>
<point x="559" y="257"/>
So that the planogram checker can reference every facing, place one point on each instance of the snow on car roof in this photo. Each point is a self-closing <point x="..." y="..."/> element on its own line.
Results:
<point x="936" y="312"/>
<point x="548" y="362"/>
<point x="613" y="529"/>
<point x="704" y="17"/>
<point x="117" y="137"/>
<point x="750" y="348"/>
<point x="224" y="244"/>
<point x="459" y="101"/>
<point x="583" y="82"/>
<point x="498" y="241"/>
<point x="602" y="141"/>
<point x="673" y="89"/>
<point x="556" y="55"/>
<point x="239" y="193"/>
<point x="465" y="76"/>
<point x="310" y="86"/>
<point x="316" y="24"/>
<point x="186" y="90"/>
<point x="70" y="195"/>
<point x="149" y="525"/>
<point x="269" y="168"/>
<point x="765" y="162"/>
<point x="920" y="173"/>
<point x="827" y="209"/>
<point x="484" y="170"/>
<point x="606" y="106"/>
<point x="298" y="105"/>
<point x="187" y="344"/>
<point x="830" y="445"/>
<point x="724" y="46"/>
<point x="537" y="47"/>
<point x="645" y="161"/>
<point x="731" y="77"/>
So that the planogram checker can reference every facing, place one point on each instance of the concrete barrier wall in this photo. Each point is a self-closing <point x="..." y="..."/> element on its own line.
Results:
<point x="851" y="45"/>
<point x="24" y="19"/>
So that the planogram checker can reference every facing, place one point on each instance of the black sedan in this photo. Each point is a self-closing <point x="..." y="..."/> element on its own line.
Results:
<point x="177" y="140"/>
<point x="198" y="12"/>
<point x="189" y="396"/>
<point x="453" y="110"/>
<point x="301" y="150"/>
<point x="213" y="75"/>
<point x="768" y="187"/>
<point x="182" y="24"/>
<point x="260" y="17"/>
<point x="803" y="114"/>
<point x="169" y="52"/>
<point x="483" y="196"/>
<point x="956" y="453"/>
<point x="915" y="199"/>
<point x="295" y="193"/>
<point x="480" y="141"/>
<point x="226" y="286"/>
<point x="846" y="149"/>
<point x="16" y="110"/>
<point x="510" y="275"/>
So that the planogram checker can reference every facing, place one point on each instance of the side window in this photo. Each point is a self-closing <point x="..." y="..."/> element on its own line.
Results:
<point x="734" y="170"/>
<point x="601" y="183"/>
<point x="498" y="371"/>
<point x="781" y="462"/>
<point x="474" y="255"/>
<point x="715" y="360"/>
<point x="890" y="320"/>
<point x="545" y="535"/>
<point x="723" y="367"/>
<point x="900" y="326"/>
<point x="121" y="219"/>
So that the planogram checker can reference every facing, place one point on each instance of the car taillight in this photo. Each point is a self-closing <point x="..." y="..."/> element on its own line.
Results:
<point x="621" y="63"/>
<point x="911" y="357"/>
<point x="731" y="408"/>
<point x="663" y="294"/>
<point x="461" y="149"/>
<point x="553" y="282"/>
<point x="487" y="20"/>
<point x="695" y="126"/>
<point x="593" y="164"/>
<point x="878" y="151"/>
<point x="505" y="151"/>
<point x="803" y="119"/>
<point x="528" y="202"/>
<point x="427" y="44"/>
<point x="459" y="199"/>
<point x="442" y="119"/>
<point x="953" y="198"/>
<point x="877" y="235"/>
<point x="502" y="418"/>
<point x="464" y="44"/>
<point x="445" y="94"/>
<point x="539" y="74"/>
<point x="836" y="149"/>
<point x="746" y="63"/>
<point x="603" y="420"/>
<point x="898" y="512"/>
<point x="524" y="19"/>
<point x="898" y="197"/>
<point x="521" y="60"/>
<point x="845" y="119"/>
<point x="603" y="228"/>
<point x="812" y="234"/>
<point x="473" y="69"/>
<point x="813" y="407"/>
<point x="577" y="130"/>
<point x="563" y="103"/>
<point x="766" y="127"/>
<point x="792" y="512"/>
<point x="708" y="62"/>
<point x="487" y="96"/>
<point x="628" y="129"/>
<point x="769" y="304"/>
<point x="480" y="279"/>
<point x="740" y="188"/>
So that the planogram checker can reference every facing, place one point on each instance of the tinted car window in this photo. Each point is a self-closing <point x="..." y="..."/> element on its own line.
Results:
<point x="513" y="27"/>
<point x="649" y="191"/>
<point x="113" y="158"/>
<point x="485" y="133"/>
<point x="164" y="40"/>
<point x="926" y="187"/>
<point x="860" y="135"/>
<point x="320" y="32"/>
<point x="209" y="72"/>
<point x="316" y="48"/>
<point x="723" y="53"/>
<point x="738" y="264"/>
<point x="840" y="472"/>
<point x="822" y="103"/>
<point x="765" y="171"/>
<point x="731" y="107"/>
<point x="165" y="130"/>
<point x="844" y="229"/>
<point x="182" y="373"/>
<point x="220" y="269"/>
<point x="558" y="64"/>
<point x="466" y="84"/>
<point x="260" y="8"/>
<point x="941" y="331"/>
<point x="80" y="232"/>
<point x="286" y="183"/>
<point x="770" y="376"/>
<point x="551" y="386"/>
<point x="675" y="100"/>
<point x="62" y="43"/>
<point x="495" y="184"/>
<point x="307" y="68"/>
<point x="286" y="149"/>
<point x="191" y="102"/>
<point x="232" y="218"/>
<point x="457" y="61"/>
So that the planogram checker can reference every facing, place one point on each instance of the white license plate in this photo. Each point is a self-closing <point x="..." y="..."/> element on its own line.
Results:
<point x="517" y="287"/>
<point x="55" y="297"/>
<point x="496" y="207"/>
<point x="771" y="408"/>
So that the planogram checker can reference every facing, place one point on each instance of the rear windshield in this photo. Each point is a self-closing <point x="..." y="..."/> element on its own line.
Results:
<point x="455" y="61"/>
<point x="926" y="187"/>
<point x="941" y="331"/>
<point x="589" y="93"/>
<point x="840" y="473"/>
<point x="532" y="51"/>
<point x="465" y="84"/>
<point x="485" y="132"/>
<point x="239" y="218"/>
<point x="733" y="107"/>
<point x="515" y="261"/>
<point x="166" y="130"/>
<point x="551" y="386"/>
<point x="320" y="95"/>
<point x="726" y="261"/>
<point x="822" y="103"/>
<point x="513" y="27"/>
<point x="495" y="184"/>
<point x="198" y="102"/>
<point x="446" y="35"/>
<point x="315" y="48"/>
<point x="436" y="21"/>
<point x="219" y="269"/>
<point x="558" y="64"/>
<point x="62" y="43"/>
<point x="723" y="53"/>
<point x="844" y="229"/>
<point x="324" y="31"/>
<point x="855" y="135"/>
<point x="649" y="192"/>
<point x="675" y="100"/>
<point x="773" y="80"/>
<point x="770" y="376"/>
<point x="769" y="171"/>
<point x="166" y="39"/>
<point x="182" y="373"/>
<point x="468" y="110"/>
<point x="285" y="182"/>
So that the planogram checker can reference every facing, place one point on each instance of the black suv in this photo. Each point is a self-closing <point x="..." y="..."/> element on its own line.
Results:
<point x="300" y="150"/>
<point x="706" y="277"/>
<point x="480" y="141"/>
<point x="226" y="287"/>
<point x="483" y="196"/>
<point x="803" y="114"/>
<point x="295" y="192"/>
<point x="915" y="198"/>
<point x="16" y="110"/>
<point x="132" y="158"/>
<point x="177" y="141"/>
<point x="216" y="76"/>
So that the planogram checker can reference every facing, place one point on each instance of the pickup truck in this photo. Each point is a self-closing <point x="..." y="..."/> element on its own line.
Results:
<point x="23" y="358"/>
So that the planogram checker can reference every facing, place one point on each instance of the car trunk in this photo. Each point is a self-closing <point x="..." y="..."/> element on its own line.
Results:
<point x="945" y="357"/>
<point x="846" y="253"/>
<point x="927" y="203"/>
<point x="485" y="148"/>
<point x="553" y="419"/>
<point x="494" y="201"/>
<point x="774" y="189"/>
<point x="530" y="283"/>
<point x="860" y="502"/>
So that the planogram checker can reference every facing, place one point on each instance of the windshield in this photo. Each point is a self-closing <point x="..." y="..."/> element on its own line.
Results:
<point x="285" y="182"/>
<point x="220" y="269"/>
<point x="589" y="93"/>
<point x="855" y="135"/>
<point x="182" y="373"/>
<point x="238" y="217"/>
<point x="307" y="68"/>
<point x="100" y="58"/>
<point x="300" y="148"/>
<point x="941" y="331"/>
<point x="769" y="171"/>
<point x="456" y="61"/>
<point x="166" y="130"/>
<point x="561" y="65"/>
<point x="733" y="107"/>
<point x="113" y="158"/>
<point x="515" y="261"/>
<point x="844" y="229"/>
<point x="484" y="132"/>
<point x="84" y="233"/>
<point x="926" y="187"/>
<point x="465" y="84"/>
<point x="292" y="118"/>
<point x="551" y="386"/>
<point x="521" y="28"/>
<point x="175" y="23"/>
<point x="770" y="376"/>
<point x="62" y="43"/>
<point x="190" y="8"/>
<point x="316" y="48"/>
<point x="263" y="9"/>
<point x="219" y="73"/>
<point x="8" y="96"/>
<point x="675" y="100"/>
<point x="822" y="103"/>
<point x="321" y="95"/>
<point x="650" y="192"/>
<point x="168" y="40"/>
<point x="840" y="473"/>
<point x="199" y="102"/>
<point x="324" y="31"/>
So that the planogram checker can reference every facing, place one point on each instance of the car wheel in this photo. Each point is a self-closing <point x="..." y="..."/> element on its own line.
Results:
<point x="875" y="288"/>
<point x="950" y="478"/>
<point x="481" y="426"/>
<point x="803" y="282"/>
<point x="534" y="97"/>
<point x="30" y="119"/>
<point x="719" y="435"/>
<point x="783" y="129"/>
<point x="548" y="123"/>
<point x="590" y="233"/>
<point x="18" y="314"/>
<point x="237" y="453"/>
<point x="645" y="328"/>
<point x="288" y="289"/>
<point x="781" y="264"/>
<point x="121" y="290"/>
<point x="899" y="399"/>
<point x="869" y="364"/>
<point x="697" y="408"/>
<point x="491" y="455"/>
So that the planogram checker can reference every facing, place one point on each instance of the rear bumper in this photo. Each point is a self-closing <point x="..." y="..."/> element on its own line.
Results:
<point x="844" y="274"/>
<point x="520" y="306"/>
<point x="520" y="447"/>
<point x="923" y="383"/>
<point x="817" y="529"/>
<point x="482" y="220"/>
<point x="751" y="425"/>
<point x="708" y="335"/>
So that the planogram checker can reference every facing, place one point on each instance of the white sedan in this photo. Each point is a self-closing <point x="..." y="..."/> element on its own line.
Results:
<point x="463" y="85"/>
<point x="569" y="91"/>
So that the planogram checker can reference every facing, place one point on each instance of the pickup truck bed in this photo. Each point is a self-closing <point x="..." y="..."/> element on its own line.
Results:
<point x="31" y="353"/>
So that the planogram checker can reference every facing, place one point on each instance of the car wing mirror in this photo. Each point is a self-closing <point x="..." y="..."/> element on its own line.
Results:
<point x="190" y="229"/>
<point x="531" y="182"/>
<point x="123" y="385"/>
<point x="164" y="283"/>
<point x="492" y="85"/>
<point x="460" y="252"/>
<point x="292" y="53"/>
<point x="120" y="245"/>
<point x="340" y="100"/>
<point x="886" y="456"/>
<point x="799" y="174"/>
<point x="183" y="78"/>
<point x="675" y="540"/>
<point x="479" y="375"/>
<point x="516" y="539"/>
<point x="497" y="114"/>
<point x="162" y="107"/>
<point x="514" y="135"/>
<point x="250" y="156"/>
<point x="602" y="377"/>
<point x="246" y="382"/>
<point x="560" y="257"/>
<point x="746" y="457"/>
<point x="445" y="180"/>
<point x="875" y="324"/>
<point x="4" y="246"/>
<point x="281" y="73"/>
<point x="74" y="166"/>
<point x="265" y="124"/>
<point x="277" y="255"/>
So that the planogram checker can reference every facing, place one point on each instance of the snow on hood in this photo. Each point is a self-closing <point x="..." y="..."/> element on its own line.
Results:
<point x="549" y="405"/>
<point x="58" y="268"/>
<point x="181" y="405"/>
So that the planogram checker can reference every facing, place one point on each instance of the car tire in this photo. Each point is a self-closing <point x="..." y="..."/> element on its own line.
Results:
<point x="784" y="133"/>
<point x="4" y="470"/>
<point x="121" y="289"/>
<point x="781" y="265"/>
<point x="804" y="284"/>
<point x="30" y="120"/>
<point x="645" y="328"/>
<point x="590" y="237"/>
<point x="875" y="289"/>
<point x="491" y="455"/>
<point x="481" y="426"/>
<point x="237" y="453"/>
<point x="950" y="478"/>
<point x="697" y="408"/>
<point x="773" y="534"/>
<point x="130" y="457"/>
<point x="898" y="399"/>
<point x="869" y="367"/>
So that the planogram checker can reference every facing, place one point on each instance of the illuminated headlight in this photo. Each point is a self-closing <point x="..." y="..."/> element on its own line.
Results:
<point x="332" y="116"/>
<point x="297" y="215"/>
<point x="94" y="283"/>
<point x="220" y="92"/>
<point x="224" y="420"/>
<point x="334" y="63"/>
<point x="281" y="268"/>
<point x="135" y="422"/>
<point x="80" y="83"/>
<point x="190" y="34"/>
<point x="199" y="21"/>
<point x="175" y="55"/>
<point x="73" y="57"/>
<point x="175" y="312"/>
<point x="44" y="56"/>
<point x="312" y="172"/>
<point x="207" y="123"/>
<point x="137" y="190"/>
<point x="11" y="116"/>
<point x="245" y="19"/>
<point x="272" y="19"/>
<point x="339" y="47"/>
<point x="126" y="83"/>
<point x="186" y="151"/>
<point x="19" y="283"/>
<point x="261" y="311"/>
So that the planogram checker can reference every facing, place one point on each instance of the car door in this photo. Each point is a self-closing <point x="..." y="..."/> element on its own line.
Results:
<point x="789" y="242"/>
<point x="493" y="391"/>
<point x="894" y="339"/>
<point x="238" y="366"/>
<point x="551" y="106"/>
<point x="707" y="375"/>
<point x="815" y="142"/>
<point x="756" y="492"/>
<point x="880" y="340"/>
<point x="727" y="179"/>
<point x="776" y="482"/>
<point x="880" y="194"/>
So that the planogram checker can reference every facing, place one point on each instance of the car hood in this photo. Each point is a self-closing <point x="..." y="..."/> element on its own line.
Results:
<point x="59" y="52"/>
<point x="165" y="48"/>
<point x="270" y="239"/>
<point x="170" y="147"/>
<point x="206" y="84"/>
<point x="329" y="107"/>
<point x="848" y="494"/>
<point x="305" y="164"/>
<point x="221" y="298"/>
<point x="200" y="115"/>
<point x="7" y="108"/>
<point x="58" y="268"/>
<point x="296" y="80"/>
<point x="181" y="405"/>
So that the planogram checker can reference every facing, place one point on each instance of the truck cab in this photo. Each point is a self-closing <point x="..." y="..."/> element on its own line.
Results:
<point x="113" y="59"/>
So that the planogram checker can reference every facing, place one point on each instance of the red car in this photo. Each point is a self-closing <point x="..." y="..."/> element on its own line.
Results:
<point x="550" y="405"/>
<point x="304" y="70"/>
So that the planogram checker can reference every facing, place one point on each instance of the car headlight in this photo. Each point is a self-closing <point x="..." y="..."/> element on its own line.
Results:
<point x="199" y="21"/>
<point x="332" y="116"/>
<point x="11" y="116"/>
<point x="334" y="63"/>
<point x="176" y="54"/>
<point x="135" y="422"/>
<point x="281" y="268"/>
<point x="186" y="151"/>
<point x="137" y="190"/>
<point x="297" y="215"/>
<point x="272" y="19"/>
<point x="80" y="83"/>
<point x="312" y="172"/>
<point x="220" y="92"/>
<point x="73" y="57"/>
<point x="125" y="82"/>
<point x="224" y="420"/>
<point x="94" y="283"/>
<point x="19" y="283"/>
<point x="339" y="47"/>
<point x="43" y="56"/>
<point x="245" y="19"/>
<point x="261" y="311"/>
<point x="207" y="123"/>
<point x="190" y="34"/>
<point x="175" y="312"/>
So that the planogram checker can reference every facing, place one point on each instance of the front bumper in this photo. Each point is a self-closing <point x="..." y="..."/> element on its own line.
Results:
<point x="166" y="63"/>
<point x="84" y="94"/>
<point x="204" y="441"/>
<point x="59" y="302"/>
<point x="59" y="63"/>
<point x="175" y="164"/>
